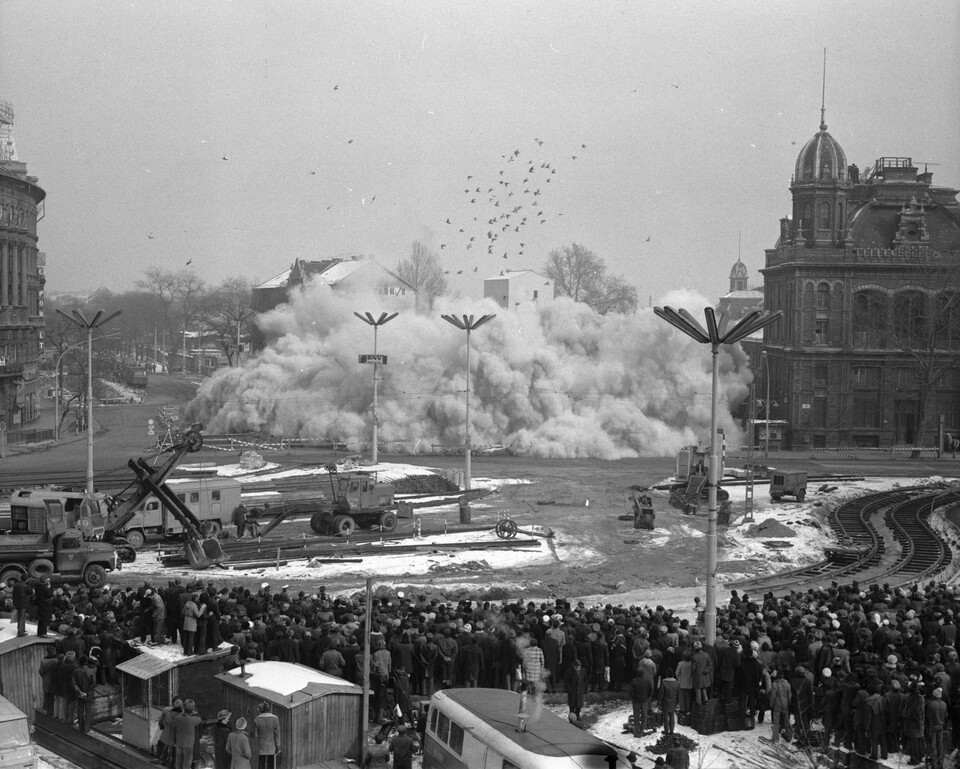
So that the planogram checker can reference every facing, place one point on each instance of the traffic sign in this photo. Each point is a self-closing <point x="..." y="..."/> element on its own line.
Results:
<point x="381" y="359"/>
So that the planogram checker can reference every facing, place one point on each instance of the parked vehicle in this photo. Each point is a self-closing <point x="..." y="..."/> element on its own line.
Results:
<point x="791" y="484"/>
<point x="211" y="499"/>
<point x="493" y="729"/>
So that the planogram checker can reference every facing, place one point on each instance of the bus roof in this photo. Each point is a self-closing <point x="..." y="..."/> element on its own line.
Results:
<point x="546" y="734"/>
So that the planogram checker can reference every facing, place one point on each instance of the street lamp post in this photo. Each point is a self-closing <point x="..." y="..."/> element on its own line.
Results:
<point x="468" y="324"/>
<point x="715" y="335"/>
<point x="97" y="321"/>
<point x="367" y="318"/>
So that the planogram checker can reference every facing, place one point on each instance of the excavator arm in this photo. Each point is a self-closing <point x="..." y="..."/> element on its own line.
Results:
<point x="200" y="552"/>
<point x="121" y="515"/>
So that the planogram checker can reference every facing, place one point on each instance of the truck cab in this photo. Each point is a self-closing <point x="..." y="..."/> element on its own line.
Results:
<point x="360" y="492"/>
<point x="40" y="511"/>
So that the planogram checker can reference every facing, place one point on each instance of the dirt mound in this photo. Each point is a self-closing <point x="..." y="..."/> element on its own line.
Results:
<point x="424" y="484"/>
<point x="769" y="528"/>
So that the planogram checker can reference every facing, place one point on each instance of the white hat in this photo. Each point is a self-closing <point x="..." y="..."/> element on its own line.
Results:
<point x="264" y="585"/>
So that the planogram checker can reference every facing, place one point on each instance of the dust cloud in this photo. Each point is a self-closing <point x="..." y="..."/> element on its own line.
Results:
<point x="554" y="381"/>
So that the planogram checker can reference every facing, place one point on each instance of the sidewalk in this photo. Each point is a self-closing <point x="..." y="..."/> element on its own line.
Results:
<point x="46" y="421"/>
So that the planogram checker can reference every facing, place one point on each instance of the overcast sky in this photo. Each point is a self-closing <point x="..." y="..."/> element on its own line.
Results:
<point x="243" y="135"/>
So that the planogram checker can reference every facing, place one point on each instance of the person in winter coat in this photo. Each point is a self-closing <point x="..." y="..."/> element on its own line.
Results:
<point x="532" y="665"/>
<point x="894" y="704"/>
<point x="780" y="696"/>
<point x="746" y="682"/>
<point x="641" y="694"/>
<point x="685" y="681"/>
<point x="221" y="733"/>
<point x="551" y="659"/>
<point x="702" y="673"/>
<point x="618" y="662"/>
<point x="166" y="749"/>
<point x="266" y="736"/>
<point x="64" y="674"/>
<point x="22" y="596"/>
<point x="802" y="699"/>
<point x="188" y="629"/>
<point x="875" y="722"/>
<point x="425" y="660"/>
<point x="912" y="717"/>
<point x="47" y="665"/>
<point x="669" y="699"/>
<point x="471" y="659"/>
<point x="576" y="683"/>
<point x="159" y="616"/>
<point x="43" y="596"/>
<point x="238" y="746"/>
<point x="186" y="729"/>
<point x="84" y="682"/>
<point x="934" y="719"/>
<point x="728" y="660"/>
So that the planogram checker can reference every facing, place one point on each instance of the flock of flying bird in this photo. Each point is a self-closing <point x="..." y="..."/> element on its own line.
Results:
<point x="500" y="211"/>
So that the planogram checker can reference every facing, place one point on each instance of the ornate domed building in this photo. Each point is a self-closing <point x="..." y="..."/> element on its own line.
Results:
<point x="867" y="274"/>
<point x="740" y="299"/>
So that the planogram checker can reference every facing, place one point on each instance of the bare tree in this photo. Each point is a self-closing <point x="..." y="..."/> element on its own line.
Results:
<point x="181" y="295"/>
<point x="579" y="273"/>
<point x="423" y="270"/>
<point x="227" y="311"/>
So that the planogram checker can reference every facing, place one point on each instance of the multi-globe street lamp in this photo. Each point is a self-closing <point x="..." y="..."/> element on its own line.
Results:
<point x="98" y="320"/>
<point x="715" y="334"/>
<point x="385" y="317"/>
<point x="467" y="323"/>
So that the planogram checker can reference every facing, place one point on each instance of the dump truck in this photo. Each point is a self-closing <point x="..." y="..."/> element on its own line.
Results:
<point x="42" y="544"/>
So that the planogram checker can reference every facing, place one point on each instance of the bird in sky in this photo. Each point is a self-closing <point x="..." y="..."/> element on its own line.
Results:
<point x="189" y="262"/>
<point x="459" y="272"/>
<point x="336" y="87"/>
<point x="446" y="272"/>
<point x="312" y="173"/>
<point x="224" y="158"/>
<point x="448" y="221"/>
<point x="149" y="237"/>
<point x="476" y="269"/>
<point x="329" y="207"/>
<point x="349" y="141"/>
<point x="443" y="246"/>
<point x="584" y="146"/>
<point x="648" y="239"/>
<point x="540" y="143"/>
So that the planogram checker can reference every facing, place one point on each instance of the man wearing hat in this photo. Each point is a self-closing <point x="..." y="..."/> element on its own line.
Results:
<point x="934" y="719"/>
<point x="221" y="733"/>
<point x="403" y="746"/>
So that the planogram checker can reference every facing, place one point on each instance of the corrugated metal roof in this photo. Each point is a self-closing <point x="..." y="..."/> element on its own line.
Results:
<point x="145" y="666"/>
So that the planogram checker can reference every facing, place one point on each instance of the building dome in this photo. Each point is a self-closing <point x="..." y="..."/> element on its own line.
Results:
<point x="739" y="271"/>
<point x="821" y="160"/>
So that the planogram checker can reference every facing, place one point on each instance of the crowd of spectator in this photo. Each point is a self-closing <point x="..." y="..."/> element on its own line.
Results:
<point x="875" y="667"/>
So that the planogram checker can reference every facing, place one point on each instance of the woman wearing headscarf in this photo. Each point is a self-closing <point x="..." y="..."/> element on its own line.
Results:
<point x="238" y="746"/>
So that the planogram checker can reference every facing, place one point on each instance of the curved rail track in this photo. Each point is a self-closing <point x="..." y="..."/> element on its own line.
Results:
<point x="865" y="555"/>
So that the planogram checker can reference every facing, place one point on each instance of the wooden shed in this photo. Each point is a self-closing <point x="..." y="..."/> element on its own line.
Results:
<point x="152" y="679"/>
<point x="20" y="680"/>
<point x="319" y="714"/>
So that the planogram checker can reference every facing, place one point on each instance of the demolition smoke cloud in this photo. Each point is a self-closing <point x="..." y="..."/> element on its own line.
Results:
<point x="556" y="381"/>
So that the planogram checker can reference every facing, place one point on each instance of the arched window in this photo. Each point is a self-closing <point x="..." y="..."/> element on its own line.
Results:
<point x="870" y="325"/>
<point x="823" y="297"/>
<point x="910" y="317"/>
<point x="823" y="216"/>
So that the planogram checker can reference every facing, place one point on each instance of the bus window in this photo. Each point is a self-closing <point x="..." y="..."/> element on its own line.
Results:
<point x="509" y="765"/>
<point x="194" y="497"/>
<point x="456" y="738"/>
<point x="215" y="495"/>
<point x="443" y="728"/>
<point x="433" y="719"/>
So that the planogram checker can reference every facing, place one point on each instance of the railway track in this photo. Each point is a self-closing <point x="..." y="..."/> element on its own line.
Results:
<point x="864" y="555"/>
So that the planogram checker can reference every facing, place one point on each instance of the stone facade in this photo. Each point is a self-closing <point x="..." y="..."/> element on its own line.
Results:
<point x="867" y="274"/>
<point x="21" y="290"/>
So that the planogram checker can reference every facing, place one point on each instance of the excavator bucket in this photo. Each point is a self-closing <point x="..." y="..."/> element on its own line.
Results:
<point x="202" y="554"/>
